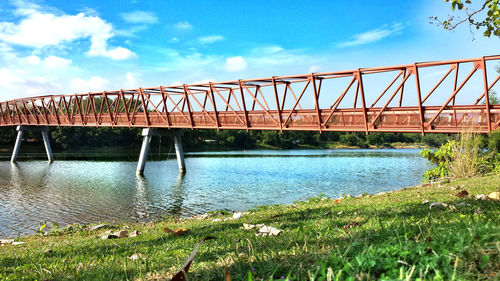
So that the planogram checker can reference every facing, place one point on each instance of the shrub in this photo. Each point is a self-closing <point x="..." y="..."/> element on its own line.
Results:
<point x="440" y="158"/>
<point x="351" y="140"/>
<point x="494" y="141"/>
<point x="466" y="156"/>
<point x="461" y="159"/>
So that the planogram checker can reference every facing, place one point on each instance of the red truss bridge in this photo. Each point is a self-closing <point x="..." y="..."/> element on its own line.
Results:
<point x="424" y="97"/>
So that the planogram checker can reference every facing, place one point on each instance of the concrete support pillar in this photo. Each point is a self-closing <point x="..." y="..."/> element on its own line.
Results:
<point x="20" y="133"/>
<point x="180" y="154"/>
<point x="141" y="165"/>
<point x="147" y="134"/>
<point x="46" y="142"/>
<point x="17" y="146"/>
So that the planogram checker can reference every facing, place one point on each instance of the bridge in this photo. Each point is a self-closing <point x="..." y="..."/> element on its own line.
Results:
<point x="422" y="97"/>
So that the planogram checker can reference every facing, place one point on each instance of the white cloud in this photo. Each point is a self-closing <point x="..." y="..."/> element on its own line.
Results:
<point x="56" y="62"/>
<point x="174" y="40"/>
<point x="33" y="59"/>
<point x="236" y="63"/>
<point x="372" y="35"/>
<point x="203" y="81"/>
<point x="8" y="77"/>
<point x="272" y="49"/>
<point x="39" y="29"/>
<point x="183" y="25"/>
<point x="314" y="68"/>
<point x="118" y="53"/>
<point x="140" y="17"/>
<point x="132" y="80"/>
<point x="90" y="11"/>
<point x="94" y="84"/>
<point x="16" y="83"/>
<point x="278" y="56"/>
<point x="210" y="39"/>
<point x="48" y="62"/>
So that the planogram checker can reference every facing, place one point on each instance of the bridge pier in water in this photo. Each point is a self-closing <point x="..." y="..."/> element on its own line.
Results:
<point x="148" y="134"/>
<point x="20" y="133"/>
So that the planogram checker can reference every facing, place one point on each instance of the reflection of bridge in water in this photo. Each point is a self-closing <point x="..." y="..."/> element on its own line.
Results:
<point x="428" y="97"/>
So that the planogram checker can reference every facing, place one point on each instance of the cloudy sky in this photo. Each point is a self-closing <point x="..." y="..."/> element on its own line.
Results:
<point x="60" y="46"/>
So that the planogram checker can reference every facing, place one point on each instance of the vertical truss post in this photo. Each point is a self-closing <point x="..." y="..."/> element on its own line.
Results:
<point x="212" y="99"/>
<point x="277" y="103"/>
<point x="110" y="113"/>
<point x="2" y="114"/>
<point x="144" y="107"/>
<point x="316" y="103"/>
<point x="363" y="104"/>
<point x="455" y="82"/>
<point x="486" y="96"/>
<point x="402" y="90"/>
<point x="243" y="103"/>
<point x="419" y="98"/>
<point x="164" y="101"/>
<point x="186" y="99"/>
<point x="454" y="88"/>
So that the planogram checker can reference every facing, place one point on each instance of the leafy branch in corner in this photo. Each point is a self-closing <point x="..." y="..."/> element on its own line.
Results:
<point x="490" y="21"/>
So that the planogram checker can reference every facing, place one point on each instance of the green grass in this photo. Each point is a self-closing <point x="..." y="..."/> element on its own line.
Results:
<point x="398" y="237"/>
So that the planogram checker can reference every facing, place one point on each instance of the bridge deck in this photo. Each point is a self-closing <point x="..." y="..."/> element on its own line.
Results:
<point x="452" y="120"/>
<point x="302" y="102"/>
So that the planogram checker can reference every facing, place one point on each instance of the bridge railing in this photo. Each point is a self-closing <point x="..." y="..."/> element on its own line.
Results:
<point x="443" y="97"/>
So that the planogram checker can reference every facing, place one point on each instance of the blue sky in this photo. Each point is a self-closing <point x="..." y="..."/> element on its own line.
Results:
<point x="52" y="47"/>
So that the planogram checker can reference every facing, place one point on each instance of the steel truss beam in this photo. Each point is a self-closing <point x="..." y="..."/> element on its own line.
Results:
<point x="272" y="104"/>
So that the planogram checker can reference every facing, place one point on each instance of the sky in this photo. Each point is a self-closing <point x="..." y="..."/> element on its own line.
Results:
<point x="66" y="47"/>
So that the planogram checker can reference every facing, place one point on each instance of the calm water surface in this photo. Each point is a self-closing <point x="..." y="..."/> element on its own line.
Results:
<point x="69" y="192"/>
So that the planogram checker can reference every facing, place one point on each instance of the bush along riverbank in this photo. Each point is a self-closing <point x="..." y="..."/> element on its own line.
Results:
<point x="436" y="231"/>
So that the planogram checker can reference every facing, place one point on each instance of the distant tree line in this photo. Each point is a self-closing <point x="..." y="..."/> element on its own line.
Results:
<point x="80" y="137"/>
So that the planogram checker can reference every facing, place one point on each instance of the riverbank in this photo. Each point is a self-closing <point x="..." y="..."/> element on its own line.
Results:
<point x="37" y="149"/>
<point x="388" y="236"/>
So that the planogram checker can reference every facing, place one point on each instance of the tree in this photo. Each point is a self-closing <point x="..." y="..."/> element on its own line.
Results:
<point x="475" y="17"/>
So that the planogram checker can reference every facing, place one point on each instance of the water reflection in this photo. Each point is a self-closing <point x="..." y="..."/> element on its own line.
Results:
<point x="15" y="178"/>
<point x="142" y="198"/>
<point x="177" y="195"/>
<point x="91" y="191"/>
<point x="35" y="179"/>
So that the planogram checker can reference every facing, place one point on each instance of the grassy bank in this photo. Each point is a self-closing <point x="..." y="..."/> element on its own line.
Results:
<point x="387" y="236"/>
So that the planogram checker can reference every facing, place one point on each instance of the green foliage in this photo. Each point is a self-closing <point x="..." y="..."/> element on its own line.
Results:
<point x="435" y="140"/>
<point x="464" y="158"/>
<point x="278" y="139"/>
<point x="494" y="141"/>
<point x="440" y="158"/>
<point x="489" y="21"/>
<point x="70" y="137"/>
<point x="492" y="95"/>
<point x="352" y="140"/>
<point x="81" y="137"/>
<point x="467" y="156"/>
<point x="7" y="134"/>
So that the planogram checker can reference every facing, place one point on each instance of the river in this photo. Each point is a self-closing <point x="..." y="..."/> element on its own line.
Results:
<point x="68" y="192"/>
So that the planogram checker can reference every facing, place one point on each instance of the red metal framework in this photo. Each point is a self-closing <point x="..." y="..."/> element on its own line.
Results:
<point x="313" y="102"/>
